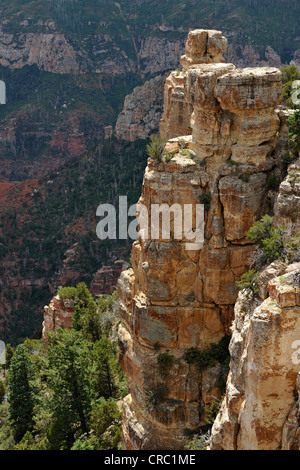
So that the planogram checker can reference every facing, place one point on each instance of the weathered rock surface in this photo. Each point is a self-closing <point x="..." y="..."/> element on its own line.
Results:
<point x="105" y="279"/>
<point x="263" y="370"/>
<point x="287" y="205"/>
<point x="173" y="299"/>
<point x="142" y="111"/>
<point x="291" y="428"/>
<point x="50" y="52"/>
<point x="58" y="314"/>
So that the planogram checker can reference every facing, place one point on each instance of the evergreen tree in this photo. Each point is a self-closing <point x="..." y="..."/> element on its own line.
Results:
<point x="290" y="74"/>
<point x="2" y="391"/>
<point x="294" y="131"/>
<point x="21" y="393"/>
<point x="105" y="357"/>
<point x="76" y="319"/>
<point x="106" y="422"/>
<point x="9" y="352"/>
<point x="70" y="375"/>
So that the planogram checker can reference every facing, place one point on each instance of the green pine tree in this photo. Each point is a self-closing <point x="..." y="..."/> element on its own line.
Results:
<point x="76" y="319"/>
<point x="21" y="393"/>
<point x="70" y="375"/>
<point x="105" y="358"/>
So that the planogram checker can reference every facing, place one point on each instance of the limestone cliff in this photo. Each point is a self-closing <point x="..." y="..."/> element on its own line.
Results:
<point x="226" y="138"/>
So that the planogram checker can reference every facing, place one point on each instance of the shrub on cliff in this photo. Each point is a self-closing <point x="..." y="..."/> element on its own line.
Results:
<point x="290" y="74"/>
<point x="249" y="281"/>
<point x="294" y="131"/>
<point x="156" y="147"/>
<point x="164" y="361"/>
<point x="68" y="293"/>
<point x="209" y="357"/>
<point x="268" y="238"/>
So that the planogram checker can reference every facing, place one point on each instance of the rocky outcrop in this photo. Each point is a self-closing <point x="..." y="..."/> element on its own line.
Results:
<point x="291" y="428"/>
<point x="249" y="56"/>
<point x="49" y="51"/>
<point x="58" y="314"/>
<point x="174" y="299"/>
<point x="105" y="279"/>
<point x="142" y="111"/>
<point x="259" y="410"/>
<point x="263" y="371"/>
<point x="287" y="205"/>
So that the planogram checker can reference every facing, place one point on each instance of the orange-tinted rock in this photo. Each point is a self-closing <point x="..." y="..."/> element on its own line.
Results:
<point x="173" y="298"/>
<point x="105" y="279"/>
<point x="263" y="371"/>
<point x="58" y="314"/>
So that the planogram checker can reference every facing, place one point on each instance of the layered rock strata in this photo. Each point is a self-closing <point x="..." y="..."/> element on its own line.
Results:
<point x="142" y="111"/>
<point x="58" y="314"/>
<point x="287" y="205"/>
<point x="258" y="412"/>
<point x="105" y="279"/>
<point x="224" y="136"/>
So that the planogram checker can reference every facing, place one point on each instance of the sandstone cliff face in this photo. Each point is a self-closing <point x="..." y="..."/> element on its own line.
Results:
<point x="58" y="314"/>
<point x="287" y="205"/>
<point x="259" y="410"/>
<point x="175" y="299"/>
<point x="105" y="279"/>
<point x="263" y="369"/>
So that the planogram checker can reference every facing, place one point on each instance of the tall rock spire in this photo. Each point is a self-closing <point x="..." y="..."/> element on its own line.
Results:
<point x="224" y="134"/>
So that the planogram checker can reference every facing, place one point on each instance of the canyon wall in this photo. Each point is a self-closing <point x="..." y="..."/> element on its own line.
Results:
<point x="58" y="314"/>
<point x="226" y="139"/>
<point x="143" y="108"/>
<point x="53" y="51"/>
<point x="263" y="372"/>
<point x="261" y="406"/>
<point x="142" y="111"/>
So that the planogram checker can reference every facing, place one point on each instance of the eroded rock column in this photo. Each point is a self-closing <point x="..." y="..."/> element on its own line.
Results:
<point x="224" y="133"/>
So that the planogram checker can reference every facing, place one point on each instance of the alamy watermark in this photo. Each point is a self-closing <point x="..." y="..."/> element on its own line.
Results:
<point x="2" y="353"/>
<point x="296" y="93"/>
<point x="2" y="92"/>
<point x="296" y="354"/>
<point x="161" y="222"/>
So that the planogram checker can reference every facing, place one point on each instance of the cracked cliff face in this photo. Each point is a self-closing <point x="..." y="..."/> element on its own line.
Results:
<point x="263" y="371"/>
<point x="259" y="411"/>
<point x="49" y="51"/>
<point x="225" y="134"/>
<point x="58" y="314"/>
